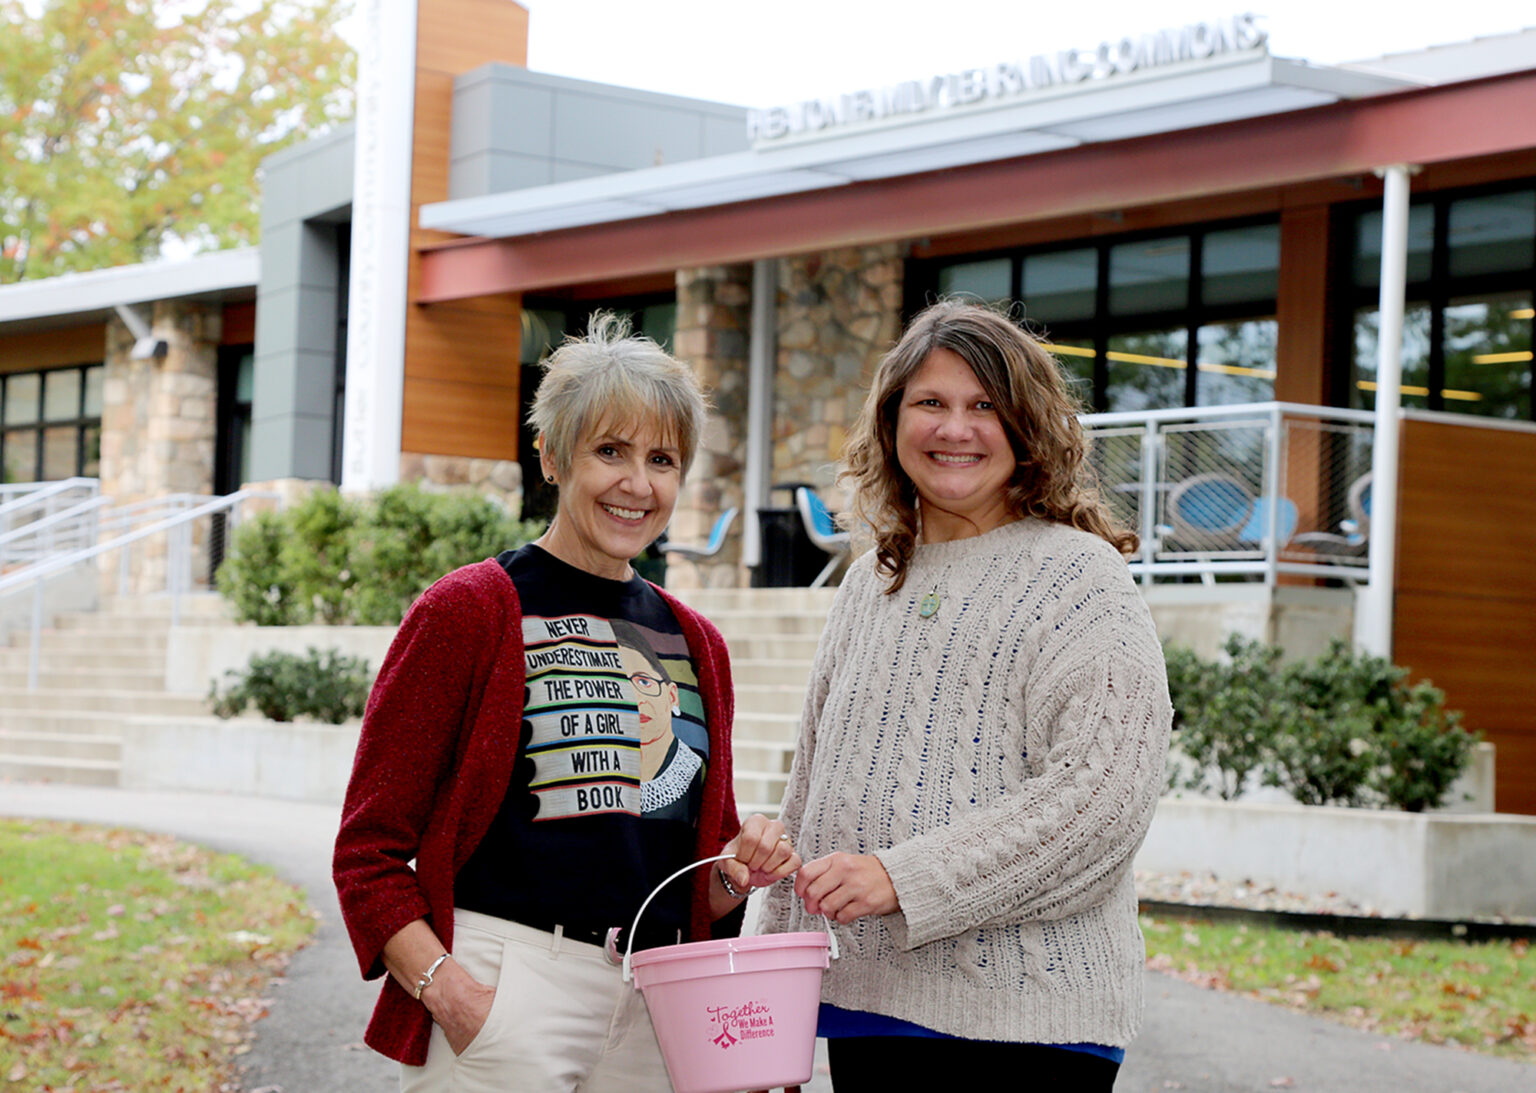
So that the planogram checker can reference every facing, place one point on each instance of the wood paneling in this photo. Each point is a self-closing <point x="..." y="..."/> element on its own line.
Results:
<point x="50" y="348"/>
<point x="459" y="419"/>
<point x="1302" y="306"/>
<point x="1481" y="652"/>
<point x="461" y="374"/>
<point x="1465" y="608"/>
<point x="1468" y="511"/>
<point x="239" y="324"/>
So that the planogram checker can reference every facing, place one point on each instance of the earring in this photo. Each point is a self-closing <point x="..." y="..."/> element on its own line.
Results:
<point x="550" y="479"/>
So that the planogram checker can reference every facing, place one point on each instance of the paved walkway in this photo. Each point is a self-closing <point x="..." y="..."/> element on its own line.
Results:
<point x="1195" y="1040"/>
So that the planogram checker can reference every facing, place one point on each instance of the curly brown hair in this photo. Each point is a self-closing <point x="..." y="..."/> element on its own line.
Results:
<point x="1039" y="416"/>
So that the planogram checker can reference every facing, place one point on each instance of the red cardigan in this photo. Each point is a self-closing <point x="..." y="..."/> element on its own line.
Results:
<point x="438" y="744"/>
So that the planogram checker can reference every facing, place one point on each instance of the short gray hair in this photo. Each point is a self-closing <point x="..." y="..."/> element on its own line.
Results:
<point x="612" y="375"/>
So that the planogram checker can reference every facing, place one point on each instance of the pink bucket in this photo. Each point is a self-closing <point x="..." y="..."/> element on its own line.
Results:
<point x="733" y="1014"/>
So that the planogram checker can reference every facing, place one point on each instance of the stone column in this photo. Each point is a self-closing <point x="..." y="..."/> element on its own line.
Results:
<point x="839" y="312"/>
<point x="499" y="480"/>
<point x="714" y="318"/>
<point x="158" y="422"/>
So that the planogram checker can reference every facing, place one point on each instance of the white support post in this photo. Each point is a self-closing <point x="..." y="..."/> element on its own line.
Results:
<point x="1373" y="622"/>
<point x="760" y="367"/>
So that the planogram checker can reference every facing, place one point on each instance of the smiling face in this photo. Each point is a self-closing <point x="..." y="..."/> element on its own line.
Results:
<point x="951" y="443"/>
<point x="616" y="498"/>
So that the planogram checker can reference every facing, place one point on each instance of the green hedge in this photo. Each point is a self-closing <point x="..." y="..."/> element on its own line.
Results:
<point x="328" y="687"/>
<point x="1344" y="728"/>
<point x="337" y="560"/>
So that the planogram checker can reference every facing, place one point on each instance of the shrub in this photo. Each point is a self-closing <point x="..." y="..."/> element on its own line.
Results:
<point x="1344" y="728"/>
<point x="334" y="560"/>
<point x="1224" y="715"/>
<point x="328" y="687"/>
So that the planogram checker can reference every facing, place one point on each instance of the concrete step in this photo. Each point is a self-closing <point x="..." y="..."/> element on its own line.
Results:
<point x="759" y="698"/>
<point x="759" y="727"/>
<point x="21" y="700"/>
<point x="73" y="680"/>
<point x="87" y="641"/>
<point x="61" y="745"/>
<point x="63" y="722"/>
<point x="118" y="623"/>
<point x="205" y="607"/>
<point x="77" y="658"/>
<point x="785" y="672"/>
<point x="760" y="786"/>
<point x="758" y="624"/>
<point x="773" y="647"/>
<point x="711" y="600"/>
<point x="76" y="772"/>
<point x="761" y="755"/>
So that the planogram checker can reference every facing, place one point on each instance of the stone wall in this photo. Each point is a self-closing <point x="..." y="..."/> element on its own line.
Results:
<point x="500" y="480"/>
<point x="714" y="320"/>
<point x="158" y="421"/>
<point x="839" y="312"/>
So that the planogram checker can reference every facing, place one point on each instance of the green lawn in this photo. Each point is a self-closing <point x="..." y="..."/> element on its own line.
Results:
<point x="131" y="961"/>
<point x="1481" y="996"/>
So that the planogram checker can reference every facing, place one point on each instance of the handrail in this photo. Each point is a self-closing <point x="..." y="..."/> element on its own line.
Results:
<point x="1215" y="413"/>
<point x="42" y="491"/>
<point x="37" y="574"/>
<point x="34" y="526"/>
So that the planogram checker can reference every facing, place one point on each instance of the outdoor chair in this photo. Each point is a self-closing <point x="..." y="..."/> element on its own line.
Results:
<point x="822" y="531"/>
<point x="696" y="553"/>
<point x="1255" y="533"/>
<point x="1352" y="540"/>
<point x="1207" y="512"/>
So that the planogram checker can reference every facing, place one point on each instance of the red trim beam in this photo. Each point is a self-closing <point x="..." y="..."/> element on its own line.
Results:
<point x="1433" y="125"/>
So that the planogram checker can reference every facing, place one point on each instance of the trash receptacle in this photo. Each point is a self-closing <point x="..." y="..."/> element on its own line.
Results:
<point x="789" y="558"/>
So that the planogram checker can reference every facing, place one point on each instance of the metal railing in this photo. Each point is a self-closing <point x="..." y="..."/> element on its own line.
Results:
<point x="1254" y="490"/>
<point x="41" y="518"/>
<point x="175" y="517"/>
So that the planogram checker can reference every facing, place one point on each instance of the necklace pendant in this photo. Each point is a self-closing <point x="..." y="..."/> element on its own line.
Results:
<point x="928" y="606"/>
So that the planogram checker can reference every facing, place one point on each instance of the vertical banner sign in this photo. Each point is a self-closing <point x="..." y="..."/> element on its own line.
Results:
<point x="381" y="224"/>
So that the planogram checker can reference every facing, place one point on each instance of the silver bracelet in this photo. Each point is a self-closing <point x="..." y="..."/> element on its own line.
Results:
<point x="426" y="977"/>
<point x="730" y="889"/>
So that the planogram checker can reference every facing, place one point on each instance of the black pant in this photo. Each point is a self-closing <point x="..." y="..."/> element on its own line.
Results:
<point x="867" y="1064"/>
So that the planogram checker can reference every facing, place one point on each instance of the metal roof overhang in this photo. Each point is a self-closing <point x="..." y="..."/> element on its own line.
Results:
<point x="1168" y="136"/>
<point x="72" y="299"/>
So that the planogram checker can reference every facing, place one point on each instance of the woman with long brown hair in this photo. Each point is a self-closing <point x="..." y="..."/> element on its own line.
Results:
<point x="983" y="739"/>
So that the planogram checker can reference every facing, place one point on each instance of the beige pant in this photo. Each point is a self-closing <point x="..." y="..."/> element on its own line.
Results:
<point x="562" y="1020"/>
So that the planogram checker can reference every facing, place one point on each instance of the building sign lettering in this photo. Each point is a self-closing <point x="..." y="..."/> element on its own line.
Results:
<point x="1008" y="80"/>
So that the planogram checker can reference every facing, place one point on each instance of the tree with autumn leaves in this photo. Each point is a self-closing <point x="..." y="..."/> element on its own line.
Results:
<point x="127" y="123"/>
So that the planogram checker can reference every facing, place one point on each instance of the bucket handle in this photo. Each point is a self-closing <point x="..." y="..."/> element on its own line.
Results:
<point x="630" y="942"/>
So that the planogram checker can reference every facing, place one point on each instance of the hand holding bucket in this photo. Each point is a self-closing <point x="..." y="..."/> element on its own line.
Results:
<point x="737" y="1013"/>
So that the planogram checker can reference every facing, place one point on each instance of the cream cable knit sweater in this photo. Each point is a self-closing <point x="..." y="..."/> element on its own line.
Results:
<point x="1002" y="758"/>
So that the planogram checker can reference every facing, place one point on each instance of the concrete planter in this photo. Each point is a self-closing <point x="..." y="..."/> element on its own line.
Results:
<point x="197" y="656"/>
<point x="1431" y="865"/>
<point x="298" y="761"/>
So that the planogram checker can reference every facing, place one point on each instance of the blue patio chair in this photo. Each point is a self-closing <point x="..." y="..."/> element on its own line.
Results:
<point x="1256" y="530"/>
<point x="1208" y="512"/>
<point x="822" y="531"/>
<point x="1353" y="538"/>
<point x="695" y="553"/>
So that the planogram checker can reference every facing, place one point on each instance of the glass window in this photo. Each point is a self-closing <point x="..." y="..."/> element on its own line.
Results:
<point x="1149" y="275"/>
<point x="90" y="465"/>
<point x="1146" y="369"/>
<point x="542" y="328"/>
<point x="989" y="280"/>
<point x="93" y="381"/>
<point x="1494" y="234"/>
<point x="61" y="395"/>
<point x="1236" y="362"/>
<point x="23" y="398"/>
<point x="1241" y="265"/>
<point x="1075" y="355"/>
<point x="1488" y="356"/>
<point x="1421" y="242"/>
<point x="658" y="322"/>
<point x="1415" y="357"/>
<point x="1060" y="286"/>
<point x="20" y="455"/>
<point x="60" y="452"/>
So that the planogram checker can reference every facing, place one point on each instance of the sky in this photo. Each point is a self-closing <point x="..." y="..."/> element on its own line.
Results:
<point x="773" y="52"/>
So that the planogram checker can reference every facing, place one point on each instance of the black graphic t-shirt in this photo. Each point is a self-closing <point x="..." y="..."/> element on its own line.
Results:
<point x="605" y="795"/>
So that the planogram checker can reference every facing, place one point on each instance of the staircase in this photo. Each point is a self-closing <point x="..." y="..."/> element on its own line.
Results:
<point x="95" y="668"/>
<point x="98" y="667"/>
<point x="772" y="635"/>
